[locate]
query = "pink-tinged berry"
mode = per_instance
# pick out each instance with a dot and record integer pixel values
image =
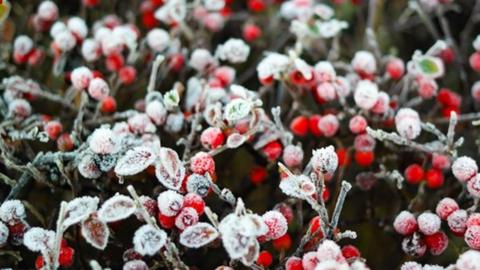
(310, 260)
(264, 259)
(350, 252)
(286, 211)
(108, 105)
(457, 222)
(194, 201)
(300, 126)
(90, 3)
(434, 178)
(258, 175)
(436, 243)
(473, 220)
(464, 168)
(256, 5)
(294, 263)
(187, 217)
(407, 122)
(326, 91)
(103, 141)
(473, 186)
(447, 54)
(472, 237)
(440, 162)
(48, 11)
(53, 129)
(212, 138)
(329, 250)
(414, 174)
(272, 150)
(382, 105)
(19, 108)
(366, 94)
(127, 75)
(364, 143)
(427, 87)
(364, 159)
(358, 124)
(98, 89)
(445, 207)
(395, 68)
(65, 142)
(225, 74)
(81, 77)
(202, 163)
(364, 63)
(150, 205)
(328, 125)
(476, 91)
(276, 223)
(474, 61)
(292, 155)
(414, 245)
(428, 223)
(251, 32)
(170, 203)
(405, 223)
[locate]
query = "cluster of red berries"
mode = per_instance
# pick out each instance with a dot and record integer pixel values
(414, 174)
(65, 258)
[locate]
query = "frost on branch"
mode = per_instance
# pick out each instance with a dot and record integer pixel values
(198, 235)
(148, 240)
(116, 208)
(135, 161)
(79, 209)
(170, 171)
(95, 231)
(39, 239)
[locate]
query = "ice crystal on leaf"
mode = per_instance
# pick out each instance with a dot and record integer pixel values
(170, 171)
(198, 235)
(116, 208)
(299, 186)
(148, 240)
(95, 232)
(79, 209)
(135, 161)
(237, 109)
(235, 140)
(39, 239)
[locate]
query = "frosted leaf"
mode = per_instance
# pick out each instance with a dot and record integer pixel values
(95, 232)
(135, 161)
(88, 168)
(12, 210)
(171, 99)
(149, 240)
(237, 109)
(235, 140)
(198, 235)
(171, 171)
(297, 186)
(252, 253)
(116, 208)
(106, 162)
(135, 265)
(324, 160)
(252, 225)
(39, 239)
(236, 244)
(4, 232)
(79, 209)
(198, 184)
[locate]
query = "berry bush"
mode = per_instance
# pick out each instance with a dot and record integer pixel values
(240, 134)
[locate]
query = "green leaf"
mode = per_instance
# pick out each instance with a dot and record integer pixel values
(428, 66)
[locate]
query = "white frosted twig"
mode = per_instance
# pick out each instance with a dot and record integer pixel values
(59, 234)
(346, 186)
(153, 76)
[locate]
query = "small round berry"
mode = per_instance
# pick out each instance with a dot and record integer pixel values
(414, 245)
(350, 252)
(329, 250)
(264, 259)
(19, 108)
(395, 68)
(272, 150)
(48, 11)
(328, 125)
(464, 168)
(473, 220)
(127, 75)
(457, 222)
(170, 203)
(383, 103)
(343, 157)
(472, 237)
(108, 105)
(194, 201)
(292, 156)
(81, 77)
(251, 32)
(445, 207)
(476, 91)
(364, 143)
(114, 62)
(427, 87)
(437, 243)
(313, 125)
(364, 159)
(315, 227)
(294, 263)
(103, 141)
(407, 122)
(405, 223)
(65, 142)
(53, 129)
(198, 184)
(202, 163)
(440, 162)
(358, 124)
(187, 217)
(428, 223)
(365, 180)
(310, 260)
(474, 61)
(135, 264)
(325, 92)
(324, 160)
(258, 174)
(366, 94)
(299, 126)
(364, 63)
(434, 178)
(212, 138)
(414, 174)
(158, 39)
(282, 243)
(473, 186)
(65, 258)
(276, 223)
(166, 222)
(98, 89)
(286, 211)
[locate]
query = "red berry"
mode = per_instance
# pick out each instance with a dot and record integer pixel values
(272, 150)
(448, 55)
(212, 138)
(350, 251)
(195, 201)
(108, 105)
(127, 75)
(364, 159)
(39, 262)
(282, 243)
(166, 221)
(414, 174)
(357, 124)
(264, 259)
(448, 98)
(343, 157)
(434, 178)
(473, 220)
(202, 163)
(251, 32)
(457, 222)
(299, 126)
(436, 243)
(176, 62)
(395, 68)
(294, 263)
(405, 223)
(65, 142)
(472, 237)
(475, 61)
(66, 256)
(313, 125)
(114, 62)
(258, 175)
(445, 207)
(53, 129)
(256, 5)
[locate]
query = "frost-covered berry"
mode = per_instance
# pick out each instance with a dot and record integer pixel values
(472, 237)
(127, 75)
(88, 168)
(383, 103)
(407, 122)
(11, 211)
(276, 223)
(414, 174)
(19, 108)
(140, 123)
(436, 243)
(81, 77)
(427, 87)
(103, 141)
(78, 27)
(90, 50)
(445, 207)
(324, 72)
(299, 126)
(202, 163)
(310, 260)
(476, 91)
(292, 155)
(364, 63)
(440, 162)
(470, 260)
(23, 45)
(364, 143)
(272, 150)
(464, 168)
(428, 223)
(98, 89)
(414, 245)
(198, 184)
(357, 124)
(47, 11)
(201, 60)
(158, 39)
(395, 68)
(170, 203)
(405, 223)
(187, 217)
(157, 112)
(284, 242)
(328, 125)
(53, 129)
(326, 92)
(293, 263)
(166, 222)
(325, 160)
(64, 41)
(233, 50)
(212, 138)
(174, 122)
(473, 186)
(194, 201)
(135, 265)
(329, 250)
(366, 94)
(149, 204)
(457, 221)
(4, 233)
(473, 220)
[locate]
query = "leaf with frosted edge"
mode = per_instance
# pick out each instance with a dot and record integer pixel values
(134, 161)
(235, 140)
(198, 235)
(236, 244)
(95, 232)
(39, 239)
(297, 186)
(148, 240)
(170, 171)
(430, 66)
(237, 109)
(252, 225)
(79, 209)
(252, 253)
(116, 208)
